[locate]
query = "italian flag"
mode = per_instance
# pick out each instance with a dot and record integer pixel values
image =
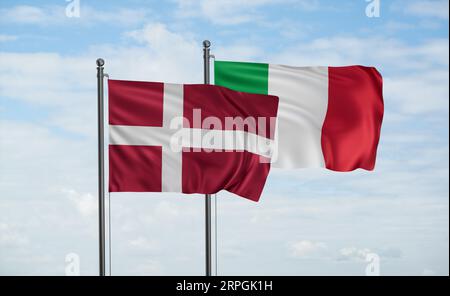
(327, 116)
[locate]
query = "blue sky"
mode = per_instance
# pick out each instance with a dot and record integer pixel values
(308, 221)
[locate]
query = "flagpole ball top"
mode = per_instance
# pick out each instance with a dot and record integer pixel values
(206, 43)
(100, 62)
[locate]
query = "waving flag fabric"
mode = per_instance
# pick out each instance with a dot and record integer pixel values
(176, 138)
(328, 116)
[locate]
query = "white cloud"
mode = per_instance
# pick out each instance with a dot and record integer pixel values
(419, 93)
(234, 12)
(164, 56)
(426, 8)
(240, 51)
(352, 253)
(86, 203)
(6, 38)
(143, 244)
(224, 12)
(123, 16)
(51, 15)
(50, 80)
(307, 5)
(32, 76)
(160, 39)
(306, 248)
(24, 14)
(10, 237)
(53, 162)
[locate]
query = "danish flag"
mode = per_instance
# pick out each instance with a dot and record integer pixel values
(189, 138)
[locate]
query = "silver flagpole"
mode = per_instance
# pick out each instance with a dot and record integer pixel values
(101, 166)
(208, 236)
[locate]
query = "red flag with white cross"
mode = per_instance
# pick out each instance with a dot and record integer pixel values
(189, 138)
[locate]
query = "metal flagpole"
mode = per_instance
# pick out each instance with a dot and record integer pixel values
(208, 244)
(101, 170)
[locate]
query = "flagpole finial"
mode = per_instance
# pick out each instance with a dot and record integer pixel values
(206, 43)
(100, 62)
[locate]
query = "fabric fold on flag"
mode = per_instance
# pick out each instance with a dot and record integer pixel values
(328, 116)
(189, 138)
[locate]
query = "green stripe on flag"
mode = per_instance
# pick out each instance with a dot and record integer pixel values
(245, 77)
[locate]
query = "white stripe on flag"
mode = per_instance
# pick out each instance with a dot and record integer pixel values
(227, 140)
(139, 135)
(171, 160)
(303, 94)
(219, 140)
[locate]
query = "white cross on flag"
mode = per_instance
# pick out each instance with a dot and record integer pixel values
(189, 138)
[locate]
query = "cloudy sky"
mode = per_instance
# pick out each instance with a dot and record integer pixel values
(308, 222)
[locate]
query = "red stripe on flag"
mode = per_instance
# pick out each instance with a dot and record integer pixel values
(221, 102)
(241, 173)
(135, 103)
(134, 168)
(351, 130)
